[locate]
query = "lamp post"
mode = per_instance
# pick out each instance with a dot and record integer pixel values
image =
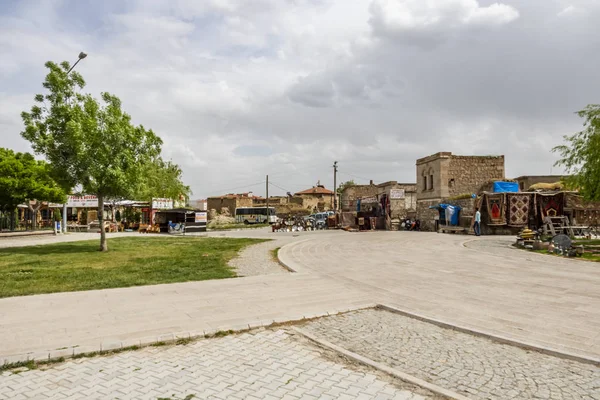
(80, 57)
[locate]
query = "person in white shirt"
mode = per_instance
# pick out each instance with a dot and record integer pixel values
(477, 223)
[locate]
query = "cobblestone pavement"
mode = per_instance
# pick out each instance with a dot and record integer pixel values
(262, 365)
(258, 260)
(470, 365)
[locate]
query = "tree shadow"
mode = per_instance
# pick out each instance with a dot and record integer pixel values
(58, 248)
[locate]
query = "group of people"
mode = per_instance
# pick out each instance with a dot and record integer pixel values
(411, 225)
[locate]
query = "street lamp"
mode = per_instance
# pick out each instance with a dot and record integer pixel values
(81, 56)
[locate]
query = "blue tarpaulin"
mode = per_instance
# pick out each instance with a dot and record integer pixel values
(506, 187)
(453, 212)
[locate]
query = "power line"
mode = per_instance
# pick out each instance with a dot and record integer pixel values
(353, 176)
(277, 186)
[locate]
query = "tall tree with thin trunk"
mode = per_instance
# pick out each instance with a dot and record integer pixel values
(90, 144)
(581, 155)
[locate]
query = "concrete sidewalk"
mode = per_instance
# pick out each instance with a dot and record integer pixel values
(47, 324)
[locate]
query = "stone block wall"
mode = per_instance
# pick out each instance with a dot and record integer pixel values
(352, 193)
(444, 175)
(426, 215)
(229, 202)
(466, 174)
(431, 173)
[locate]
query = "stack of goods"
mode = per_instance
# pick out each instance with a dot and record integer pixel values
(527, 234)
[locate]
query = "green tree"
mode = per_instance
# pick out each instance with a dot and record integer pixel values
(344, 185)
(90, 144)
(581, 155)
(23, 179)
(162, 179)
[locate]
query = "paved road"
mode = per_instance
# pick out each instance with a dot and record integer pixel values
(483, 285)
(473, 366)
(265, 365)
(486, 286)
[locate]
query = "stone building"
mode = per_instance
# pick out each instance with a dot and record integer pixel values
(525, 182)
(403, 198)
(447, 178)
(316, 198)
(200, 204)
(230, 201)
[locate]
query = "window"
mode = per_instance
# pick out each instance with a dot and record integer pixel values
(451, 182)
(424, 183)
(430, 182)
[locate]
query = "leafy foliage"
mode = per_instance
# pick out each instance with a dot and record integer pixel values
(581, 155)
(344, 185)
(92, 144)
(23, 178)
(131, 215)
(161, 179)
(57, 215)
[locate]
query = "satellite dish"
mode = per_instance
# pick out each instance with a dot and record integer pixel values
(562, 241)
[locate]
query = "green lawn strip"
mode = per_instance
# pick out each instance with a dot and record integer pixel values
(66, 267)
(585, 256)
(587, 242)
(230, 227)
(275, 254)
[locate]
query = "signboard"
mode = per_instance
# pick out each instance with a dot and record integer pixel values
(369, 200)
(90, 201)
(201, 217)
(162, 204)
(396, 193)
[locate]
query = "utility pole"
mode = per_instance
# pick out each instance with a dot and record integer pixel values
(335, 202)
(268, 211)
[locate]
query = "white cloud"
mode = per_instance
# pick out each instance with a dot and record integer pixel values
(241, 89)
(433, 19)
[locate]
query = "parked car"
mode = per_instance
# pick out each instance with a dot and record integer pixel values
(320, 219)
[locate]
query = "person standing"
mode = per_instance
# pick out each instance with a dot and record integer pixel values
(477, 223)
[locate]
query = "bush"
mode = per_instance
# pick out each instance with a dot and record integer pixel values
(57, 215)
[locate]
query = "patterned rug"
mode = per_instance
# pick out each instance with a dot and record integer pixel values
(495, 209)
(518, 209)
(551, 206)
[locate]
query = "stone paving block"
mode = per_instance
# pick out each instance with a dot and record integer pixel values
(469, 365)
(154, 372)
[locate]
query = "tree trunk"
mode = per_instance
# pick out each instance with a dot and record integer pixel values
(103, 244)
(34, 210)
(13, 219)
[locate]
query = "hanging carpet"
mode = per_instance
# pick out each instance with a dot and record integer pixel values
(495, 209)
(518, 209)
(551, 206)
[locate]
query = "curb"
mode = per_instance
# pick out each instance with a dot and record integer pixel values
(9, 235)
(499, 339)
(383, 368)
(284, 265)
(174, 338)
(285, 247)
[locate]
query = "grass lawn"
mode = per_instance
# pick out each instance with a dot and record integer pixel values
(229, 227)
(66, 267)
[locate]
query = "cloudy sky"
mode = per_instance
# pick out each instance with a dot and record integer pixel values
(240, 89)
